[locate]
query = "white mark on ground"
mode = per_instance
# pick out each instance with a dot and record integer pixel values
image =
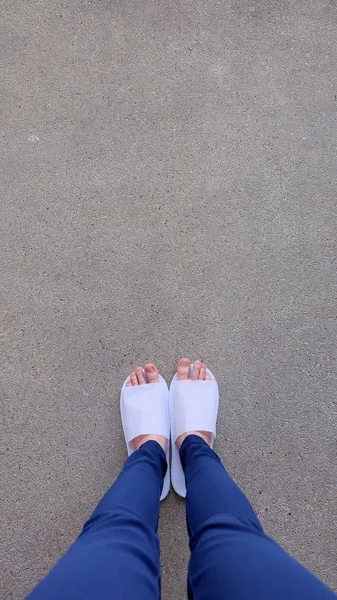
(33, 138)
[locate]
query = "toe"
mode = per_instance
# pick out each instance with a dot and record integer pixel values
(151, 373)
(183, 368)
(128, 383)
(207, 377)
(196, 369)
(202, 373)
(140, 376)
(133, 379)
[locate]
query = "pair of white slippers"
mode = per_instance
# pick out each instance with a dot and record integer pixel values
(189, 405)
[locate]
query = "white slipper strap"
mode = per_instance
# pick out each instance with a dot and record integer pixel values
(195, 406)
(145, 410)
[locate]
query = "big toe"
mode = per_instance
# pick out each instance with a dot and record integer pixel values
(183, 369)
(151, 373)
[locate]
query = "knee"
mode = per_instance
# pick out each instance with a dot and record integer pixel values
(224, 528)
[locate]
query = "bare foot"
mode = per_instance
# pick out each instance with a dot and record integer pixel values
(199, 373)
(137, 378)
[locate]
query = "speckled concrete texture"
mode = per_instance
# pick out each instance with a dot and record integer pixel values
(169, 189)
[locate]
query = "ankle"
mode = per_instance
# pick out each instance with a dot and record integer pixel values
(138, 441)
(205, 435)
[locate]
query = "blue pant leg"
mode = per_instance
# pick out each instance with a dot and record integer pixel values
(231, 557)
(116, 557)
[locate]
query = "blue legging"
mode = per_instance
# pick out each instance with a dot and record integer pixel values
(116, 557)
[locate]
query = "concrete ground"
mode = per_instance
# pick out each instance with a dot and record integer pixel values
(169, 189)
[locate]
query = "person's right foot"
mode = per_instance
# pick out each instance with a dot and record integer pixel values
(199, 373)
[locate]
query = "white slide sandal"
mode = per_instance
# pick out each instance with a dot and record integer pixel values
(193, 407)
(144, 410)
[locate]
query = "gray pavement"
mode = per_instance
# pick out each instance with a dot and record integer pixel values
(169, 189)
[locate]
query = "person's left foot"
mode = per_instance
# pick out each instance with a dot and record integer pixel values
(146, 377)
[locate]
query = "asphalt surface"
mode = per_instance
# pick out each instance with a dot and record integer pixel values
(169, 189)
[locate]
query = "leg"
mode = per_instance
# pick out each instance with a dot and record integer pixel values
(117, 554)
(232, 558)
